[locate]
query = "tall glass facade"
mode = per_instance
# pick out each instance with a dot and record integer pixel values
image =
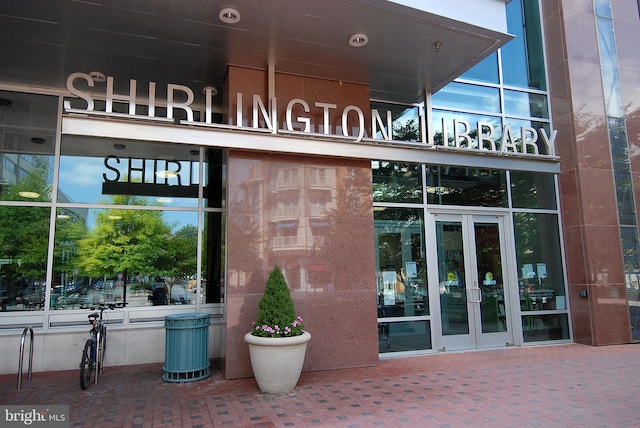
(507, 90)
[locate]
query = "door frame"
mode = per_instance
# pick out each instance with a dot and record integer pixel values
(467, 218)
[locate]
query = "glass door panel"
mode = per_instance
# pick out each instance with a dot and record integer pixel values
(489, 269)
(473, 310)
(451, 273)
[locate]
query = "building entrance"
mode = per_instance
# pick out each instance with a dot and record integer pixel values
(473, 282)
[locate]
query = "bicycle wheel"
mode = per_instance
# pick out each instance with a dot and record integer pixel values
(86, 364)
(102, 348)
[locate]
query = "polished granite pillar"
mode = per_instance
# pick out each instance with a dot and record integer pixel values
(312, 216)
(588, 198)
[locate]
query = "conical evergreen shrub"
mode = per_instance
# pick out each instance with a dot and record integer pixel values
(276, 314)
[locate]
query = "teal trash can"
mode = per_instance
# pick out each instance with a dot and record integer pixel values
(186, 355)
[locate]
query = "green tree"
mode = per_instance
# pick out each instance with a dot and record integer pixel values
(124, 240)
(177, 258)
(24, 232)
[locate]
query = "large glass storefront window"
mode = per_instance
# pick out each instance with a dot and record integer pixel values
(134, 236)
(27, 141)
(127, 216)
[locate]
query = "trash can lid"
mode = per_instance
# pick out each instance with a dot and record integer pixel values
(191, 316)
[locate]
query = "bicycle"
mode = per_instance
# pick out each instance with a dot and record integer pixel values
(95, 346)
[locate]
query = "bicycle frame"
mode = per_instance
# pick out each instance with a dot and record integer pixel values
(96, 334)
(97, 338)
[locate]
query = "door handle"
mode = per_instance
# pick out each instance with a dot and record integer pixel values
(479, 292)
(475, 294)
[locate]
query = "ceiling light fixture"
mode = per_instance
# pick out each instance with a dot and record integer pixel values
(119, 146)
(38, 140)
(229, 15)
(437, 46)
(29, 195)
(358, 40)
(166, 174)
(98, 76)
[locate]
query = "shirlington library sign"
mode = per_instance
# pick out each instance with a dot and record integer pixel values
(525, 140)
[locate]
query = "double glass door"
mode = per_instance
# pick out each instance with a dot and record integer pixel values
(472, 280)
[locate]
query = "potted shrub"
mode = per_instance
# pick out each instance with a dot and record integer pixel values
(277, 343)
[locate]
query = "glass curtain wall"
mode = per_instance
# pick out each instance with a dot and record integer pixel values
(507, 88)
(129, 218)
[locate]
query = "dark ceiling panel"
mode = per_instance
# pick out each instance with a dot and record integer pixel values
(184, 42)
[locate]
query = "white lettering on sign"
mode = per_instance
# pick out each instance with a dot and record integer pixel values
(265, 116)
(485, 139)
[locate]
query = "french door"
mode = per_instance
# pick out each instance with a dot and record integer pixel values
(473, 284)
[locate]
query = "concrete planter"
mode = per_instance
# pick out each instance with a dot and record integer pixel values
(277, 361)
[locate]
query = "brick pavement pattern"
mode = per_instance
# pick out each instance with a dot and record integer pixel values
(548, 386)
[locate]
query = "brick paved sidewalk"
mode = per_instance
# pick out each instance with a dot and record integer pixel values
(551, 386)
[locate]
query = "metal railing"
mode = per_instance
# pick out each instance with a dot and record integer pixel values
(22, 340)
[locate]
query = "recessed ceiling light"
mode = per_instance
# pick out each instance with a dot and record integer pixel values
(119, 146)
(38, 140)
(64, 216)
(166, 174)
(164, 200)
(115, 217)
(229, 15)
(358, 40)
(98, 76)
(29, 195)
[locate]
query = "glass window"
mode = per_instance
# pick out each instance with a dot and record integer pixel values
(144, 255)
(522, 59)
(465, 130)
(538, 328)
(405, 121)
(532, 134)
(525, 104)
(122, 255)
(533, 190)
(603, 8)
(215, 172)
(540, 273)
(464, 96)
(466, 186)
(400, 262)
(485, 71)
(134, 172)
(24, 237)
(404, 336)
(396, 182)
(27, 138)
(213, 258)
